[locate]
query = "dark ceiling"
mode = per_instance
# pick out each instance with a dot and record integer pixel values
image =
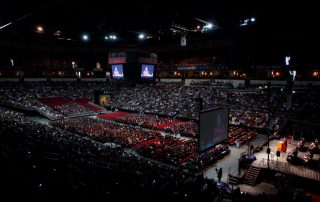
(126, 19)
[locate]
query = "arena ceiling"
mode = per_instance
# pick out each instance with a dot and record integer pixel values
(161, 22)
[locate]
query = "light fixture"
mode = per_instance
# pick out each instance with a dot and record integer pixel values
(40, 29)
(85, 37)
(141, 36)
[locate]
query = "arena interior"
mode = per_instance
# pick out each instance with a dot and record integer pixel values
(155, 101)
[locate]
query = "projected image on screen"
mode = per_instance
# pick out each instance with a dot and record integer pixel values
(147, 71)
(117, 71)
(213, 127)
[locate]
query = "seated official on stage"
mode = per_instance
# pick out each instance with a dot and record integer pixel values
(293, 156)
(300, 145)
(314, 147)
(307, 158)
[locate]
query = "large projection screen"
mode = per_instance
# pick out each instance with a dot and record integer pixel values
(117, 71)
(213, 127)
(147, 71)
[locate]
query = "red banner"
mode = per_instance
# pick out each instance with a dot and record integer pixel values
(119, 60)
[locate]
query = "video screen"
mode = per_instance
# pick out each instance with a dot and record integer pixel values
(147, 71)
(213, 127)
(117, 71)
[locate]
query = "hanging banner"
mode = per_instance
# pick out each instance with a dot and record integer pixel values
(183, 40)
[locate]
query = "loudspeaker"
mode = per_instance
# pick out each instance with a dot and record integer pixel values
(278, 153)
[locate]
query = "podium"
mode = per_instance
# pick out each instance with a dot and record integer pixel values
(280, 146)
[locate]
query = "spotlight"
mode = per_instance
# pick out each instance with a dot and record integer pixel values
(141, 36)
(209, 26)
(40, 29)
(85, 37)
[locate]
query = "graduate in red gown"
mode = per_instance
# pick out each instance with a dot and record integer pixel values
(284, 147)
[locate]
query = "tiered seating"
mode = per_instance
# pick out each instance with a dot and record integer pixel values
(64, 106)
(204, 159)
(247, 108)
(146, 120)
(187, 129)
(54, 101)
(169, 150)
(86, 103)
(104, 131)
(26, 95)
(79, 160)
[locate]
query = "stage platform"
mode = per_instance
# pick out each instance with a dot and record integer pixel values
(229, 165)
(281, 164)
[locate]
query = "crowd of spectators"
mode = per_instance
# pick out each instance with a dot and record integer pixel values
(179, 127)
(211, 83)
(170, 150)
(206, 158)
(167, 149)
(144, 120)
(26, 95)
(185, 128)
(105, 131)
(248, 107)
(127, 172)
(240, 135)
(71, 109)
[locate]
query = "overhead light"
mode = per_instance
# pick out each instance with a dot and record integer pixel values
(209, 26)
(141, 36)
(85, 37)
(3, 26)
(113, 37)
(248, 21)
(40, 29)
(315, 73)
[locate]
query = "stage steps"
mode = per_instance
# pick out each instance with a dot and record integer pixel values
(252, 175)
(235, 180)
